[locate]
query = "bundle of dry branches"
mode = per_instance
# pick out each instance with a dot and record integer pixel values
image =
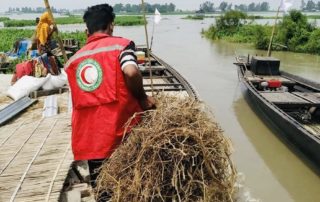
(177, 153)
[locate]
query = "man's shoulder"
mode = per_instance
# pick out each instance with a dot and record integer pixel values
(119, 38)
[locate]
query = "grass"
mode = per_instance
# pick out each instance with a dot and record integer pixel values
(2, 19)
(193, 17)
(9, 36)
(120, 21)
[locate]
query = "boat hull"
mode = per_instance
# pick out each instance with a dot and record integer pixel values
(291, 131)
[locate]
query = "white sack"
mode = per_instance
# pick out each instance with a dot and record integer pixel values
(25, 86)
(55, 82)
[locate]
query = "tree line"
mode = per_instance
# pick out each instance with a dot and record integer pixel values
(225, 6)
(118, 8)
(293, 33)
(35, 10)
(310, 5)
(150, 8)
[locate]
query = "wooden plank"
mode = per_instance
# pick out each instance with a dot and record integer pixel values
(283, 98)
(311, 97)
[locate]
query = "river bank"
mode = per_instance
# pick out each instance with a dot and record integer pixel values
(293, 33)
(119, 20)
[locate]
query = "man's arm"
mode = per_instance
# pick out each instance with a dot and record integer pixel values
(134, 83)
(133, 77)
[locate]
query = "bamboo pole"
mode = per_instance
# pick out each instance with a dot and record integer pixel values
(147, 41)
(273, 31)
(46, 2)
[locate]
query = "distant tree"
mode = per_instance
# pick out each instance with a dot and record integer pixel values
(229, 7)
(136, 8)
(127, 8)
(230, 21)
(161, 8)
(318, 5)
(207, 6)
(294, 30)
(172, 7)
(303, 5)
(257, 7)
(264, 6)
(310, 5)
(241, 7)
(118, 7)
(223, 6)
(252, 7)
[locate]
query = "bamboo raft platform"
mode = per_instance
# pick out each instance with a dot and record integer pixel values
(35, 157)
(35, 154)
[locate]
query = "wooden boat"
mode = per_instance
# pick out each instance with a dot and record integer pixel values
(37, 162)
(164, 78)
(290, 102)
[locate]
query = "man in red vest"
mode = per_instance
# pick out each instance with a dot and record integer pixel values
(106, 87)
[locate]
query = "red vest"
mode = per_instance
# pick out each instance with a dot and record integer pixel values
(102, 103)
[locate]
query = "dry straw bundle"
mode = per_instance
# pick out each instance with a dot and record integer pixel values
(177, 153)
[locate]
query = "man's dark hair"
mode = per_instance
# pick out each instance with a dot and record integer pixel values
(97, 18)
(37, 20)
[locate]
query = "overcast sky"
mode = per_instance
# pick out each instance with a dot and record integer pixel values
(72, 4)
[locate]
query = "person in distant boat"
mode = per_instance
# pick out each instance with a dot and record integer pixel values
(107, 90)
(45, 30)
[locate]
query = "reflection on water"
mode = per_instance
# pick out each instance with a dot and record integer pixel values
(288, 169)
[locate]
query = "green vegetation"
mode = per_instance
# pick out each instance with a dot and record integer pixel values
(310, 6)
(129, 20)
(150, 8)
(120, 21)
(9, 36)
(208, 7)
(194, 17)
(2, 19)
(294, 32)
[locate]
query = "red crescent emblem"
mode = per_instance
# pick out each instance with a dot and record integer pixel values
(83, 77)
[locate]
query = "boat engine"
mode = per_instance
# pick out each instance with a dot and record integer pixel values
(274, 84)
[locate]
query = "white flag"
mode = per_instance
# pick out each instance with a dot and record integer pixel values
(157, 16)
(285, 5)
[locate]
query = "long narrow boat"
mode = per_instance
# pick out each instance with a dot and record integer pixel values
(164, 78)
(36, 159)
(290, 102)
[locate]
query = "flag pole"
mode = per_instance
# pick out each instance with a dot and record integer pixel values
(273, 31)
(152, 35)
(46, 2)
(147, 41)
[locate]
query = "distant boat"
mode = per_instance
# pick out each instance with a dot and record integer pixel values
(291, 103)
